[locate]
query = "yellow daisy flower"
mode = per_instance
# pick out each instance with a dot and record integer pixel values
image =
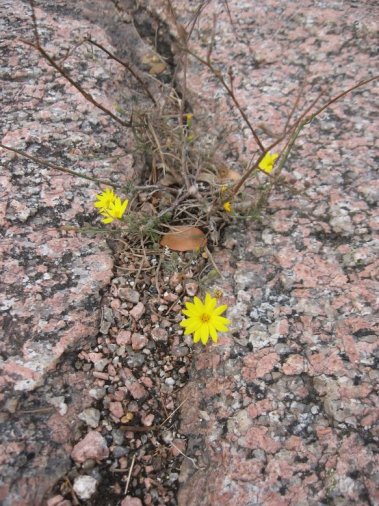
(105, 198)
(114, 211)
(227, 207)
(204, 319)
(267, 162)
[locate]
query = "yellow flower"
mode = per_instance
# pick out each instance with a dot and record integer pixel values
(114, 211)
(227, 207)
(204, 319)
(189, 117)
(267, 162)
(110, 206)
(105, 198)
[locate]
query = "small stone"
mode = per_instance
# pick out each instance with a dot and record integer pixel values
(97, 393)
(138, 341)
(124, 337)
(85, 486)
(54, 501)
(11, 405)
(118, 436)
(59, 403)
(148, 420)
(116, 409)
(129, 295)
(135, 359)
(137, 311)
(137, 391)
(119, 451)
(159, 334)
(179, 288)
(88, 465)
(131, 501)
(179, 351)
(93, 446)
(100, 364)
(191, 288)
(175, 279)
(170, 297)
(168, 437)
(104, 327)
(111, 370)
(91, 416)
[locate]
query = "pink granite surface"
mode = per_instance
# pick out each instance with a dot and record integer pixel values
(284, 410)
(51, 279)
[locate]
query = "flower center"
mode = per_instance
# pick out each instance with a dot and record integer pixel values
(205, 317)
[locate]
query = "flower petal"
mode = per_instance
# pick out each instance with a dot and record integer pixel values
(198, 304)
(196, 336)
(209, 303)
(219, 310)
(109, 219)
(220, 323)
(193, 326)
(204, 333)
(213, 333)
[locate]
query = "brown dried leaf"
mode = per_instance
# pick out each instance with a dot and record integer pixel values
(150, 59)
(228, 175)
(184, 238)
(157, 68)
(170, 179)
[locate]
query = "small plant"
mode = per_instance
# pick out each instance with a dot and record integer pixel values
(189, 194)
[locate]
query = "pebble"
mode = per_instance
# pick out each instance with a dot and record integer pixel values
(54, 501)
(168, 437)
(118, 436)
(138, 341)
(191, 288)
(148, 420)
(135, 360)
(159, 334)
(129, 295)
(116, 409)
(137, 311)
(124, 337)
(119, 451)
(137, 391)
(179, 351)
(97, 393)
(101, 375)
(101, 364)
(88, 464)
(59, 403)
(93, 446)
(85, 486)
(131, 501)
(104, 327)
(91, 417)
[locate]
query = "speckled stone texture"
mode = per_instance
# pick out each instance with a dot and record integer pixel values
(284, 409)
(51, 278)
